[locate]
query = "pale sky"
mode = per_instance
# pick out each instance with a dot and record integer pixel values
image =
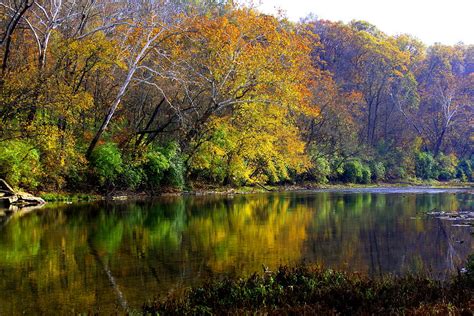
(444, 21)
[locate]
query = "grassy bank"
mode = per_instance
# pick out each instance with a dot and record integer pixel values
(69, 197)
(204, 189)
(315, 291)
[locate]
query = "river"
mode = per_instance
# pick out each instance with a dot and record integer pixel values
(113, 256)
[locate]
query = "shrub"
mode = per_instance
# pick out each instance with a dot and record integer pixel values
(306, 290)
(400, 172)
(464, 170)
(378, 171)
(20, 164)
(165, 166)
(321, 170)
(366, 175)
(62, 159)
(132, 176)
(106, 162)
(155, 166)
(446, 166)
(352, 171)
(175, 173)
(425, 166)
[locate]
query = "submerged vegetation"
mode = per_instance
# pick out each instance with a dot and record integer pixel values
(312, 290)
(143, 95)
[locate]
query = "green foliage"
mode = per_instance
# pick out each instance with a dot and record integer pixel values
(352, 171)
(176, 171)
(174, 175)
(464, 170)
(356, 172)
(164, 166)
(446, 166)
(425, 166)
(366, 175)
(305, 290)
(132, 176)
(268, 98)
(155, 166)
(321, 170)
(106, 161)
(400, 173)
(398, 162)
(378, 171)
(20, 164)
(64, 197)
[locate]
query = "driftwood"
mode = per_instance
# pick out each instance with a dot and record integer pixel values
(5, 187)
(9, 197)
(263, 187)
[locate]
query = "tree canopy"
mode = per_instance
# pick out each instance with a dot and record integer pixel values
(149, 94)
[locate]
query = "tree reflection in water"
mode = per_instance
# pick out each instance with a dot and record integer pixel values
(104, 257)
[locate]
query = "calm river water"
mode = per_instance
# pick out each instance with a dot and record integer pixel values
(104, 257)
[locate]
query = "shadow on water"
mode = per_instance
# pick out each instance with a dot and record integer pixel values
(107, 257)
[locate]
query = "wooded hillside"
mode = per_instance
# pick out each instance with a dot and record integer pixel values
(143, 94)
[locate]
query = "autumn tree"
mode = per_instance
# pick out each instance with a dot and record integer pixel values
(252, 74)
(365, 60)
(446, 86)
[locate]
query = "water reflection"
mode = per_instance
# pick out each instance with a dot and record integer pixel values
(106, 257)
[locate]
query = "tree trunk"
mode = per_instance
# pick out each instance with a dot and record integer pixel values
(150, 121)
(439, 142)
(111, 111)
(9, 32)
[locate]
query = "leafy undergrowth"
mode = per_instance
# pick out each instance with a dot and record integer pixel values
(307, 290)
(68, 197)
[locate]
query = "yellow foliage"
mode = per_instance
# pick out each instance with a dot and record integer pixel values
(261, 75)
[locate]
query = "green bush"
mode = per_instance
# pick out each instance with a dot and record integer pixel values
(352, 171)
(446, 166)
(132, 176)
(399, 172)
(165, 166)
(321, 170)
(174, 176)
(425, 166)
(378, 171)
(106, 161)
(337, 170)
(313, 291)
(155, 166)
(366, 175)
(20, 164)
(464, 170)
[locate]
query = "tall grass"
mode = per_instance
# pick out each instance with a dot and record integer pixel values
(304, 289)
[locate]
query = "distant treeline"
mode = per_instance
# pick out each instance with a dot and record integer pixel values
(142, 94)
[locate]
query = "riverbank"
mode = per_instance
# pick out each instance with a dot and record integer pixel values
(303, 289)
(209, 189)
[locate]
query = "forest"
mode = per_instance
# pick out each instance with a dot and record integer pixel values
(151, 94)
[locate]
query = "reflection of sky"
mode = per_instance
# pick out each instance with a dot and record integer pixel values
(64, 258)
